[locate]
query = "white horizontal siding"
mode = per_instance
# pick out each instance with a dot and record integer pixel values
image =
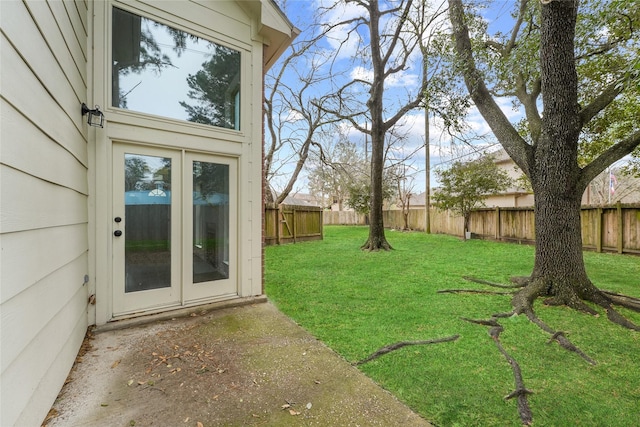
(33, 99)
(32, 382)
(43, 202)
(22, 316)
(223, 20)
(31, 203)
(72, 28)
(30, 256)
(27, 140)
(51, 18)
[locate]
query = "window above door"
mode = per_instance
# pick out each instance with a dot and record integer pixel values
(161, 70)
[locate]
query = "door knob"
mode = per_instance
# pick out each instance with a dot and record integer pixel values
(117, 233)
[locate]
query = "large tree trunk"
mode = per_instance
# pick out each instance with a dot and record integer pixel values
(559, 270)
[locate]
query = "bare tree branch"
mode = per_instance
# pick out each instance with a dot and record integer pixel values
(508, 136)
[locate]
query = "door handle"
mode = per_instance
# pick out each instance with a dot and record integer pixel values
(117, 233)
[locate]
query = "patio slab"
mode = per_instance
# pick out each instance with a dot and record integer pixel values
(238, 366)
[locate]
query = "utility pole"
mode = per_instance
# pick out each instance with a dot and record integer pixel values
(427, 193)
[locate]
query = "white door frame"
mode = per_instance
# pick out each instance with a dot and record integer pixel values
(182, 291)
(125, 303)
(222, 288)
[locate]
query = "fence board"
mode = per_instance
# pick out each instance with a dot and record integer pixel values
(612, 228)
(292, 223)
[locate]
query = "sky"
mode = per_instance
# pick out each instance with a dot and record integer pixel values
(442, 151)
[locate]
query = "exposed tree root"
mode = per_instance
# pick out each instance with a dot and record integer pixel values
(472, 291)
(572, 295)
(616, 317)
(493, 284)
(520, 280)
(576, 298)
(398, 345)
(626, 301)
(521, 392)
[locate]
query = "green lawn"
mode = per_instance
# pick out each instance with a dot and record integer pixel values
(357, 302)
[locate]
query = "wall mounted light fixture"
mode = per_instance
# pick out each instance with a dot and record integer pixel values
(95, 117)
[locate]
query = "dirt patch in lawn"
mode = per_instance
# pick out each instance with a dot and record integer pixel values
(241, 366)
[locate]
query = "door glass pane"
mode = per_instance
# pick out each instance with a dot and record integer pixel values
(147, 222)
(210, 221)
(165, 71)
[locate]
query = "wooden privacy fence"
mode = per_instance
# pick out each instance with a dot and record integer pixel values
(613, 228)
(291, 223)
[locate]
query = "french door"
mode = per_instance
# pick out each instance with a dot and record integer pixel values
(174, 228)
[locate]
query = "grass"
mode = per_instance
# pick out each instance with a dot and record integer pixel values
(357, 302)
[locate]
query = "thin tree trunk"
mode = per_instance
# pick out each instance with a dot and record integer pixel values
(377, 239)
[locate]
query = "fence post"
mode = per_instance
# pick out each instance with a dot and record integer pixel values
(599, 230)
(497, 223)
(620, 227)
(279, 224)
(293, 224)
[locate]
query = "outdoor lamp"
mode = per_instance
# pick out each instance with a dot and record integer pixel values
(95, 116)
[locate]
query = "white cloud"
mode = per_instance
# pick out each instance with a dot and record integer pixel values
(292, 116)
(340, 38)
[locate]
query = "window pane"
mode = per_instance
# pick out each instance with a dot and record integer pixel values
(147, 222)
(210, 221)
(167, 72)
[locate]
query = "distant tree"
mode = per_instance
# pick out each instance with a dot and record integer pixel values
(136, 169)
(359, 193)
(404, 188)
(333, 169)
(466, 185)
(294, 120)
(386, 39)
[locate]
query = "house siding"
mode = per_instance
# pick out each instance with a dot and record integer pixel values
(44, 199)
(55, 175)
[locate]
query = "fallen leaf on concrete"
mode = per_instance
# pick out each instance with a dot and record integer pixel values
(116, 363)
(199, 424)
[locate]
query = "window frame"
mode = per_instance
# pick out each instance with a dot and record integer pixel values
(242, 106)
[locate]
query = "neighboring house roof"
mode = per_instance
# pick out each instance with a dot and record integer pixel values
(418, 199)
(301, 200)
